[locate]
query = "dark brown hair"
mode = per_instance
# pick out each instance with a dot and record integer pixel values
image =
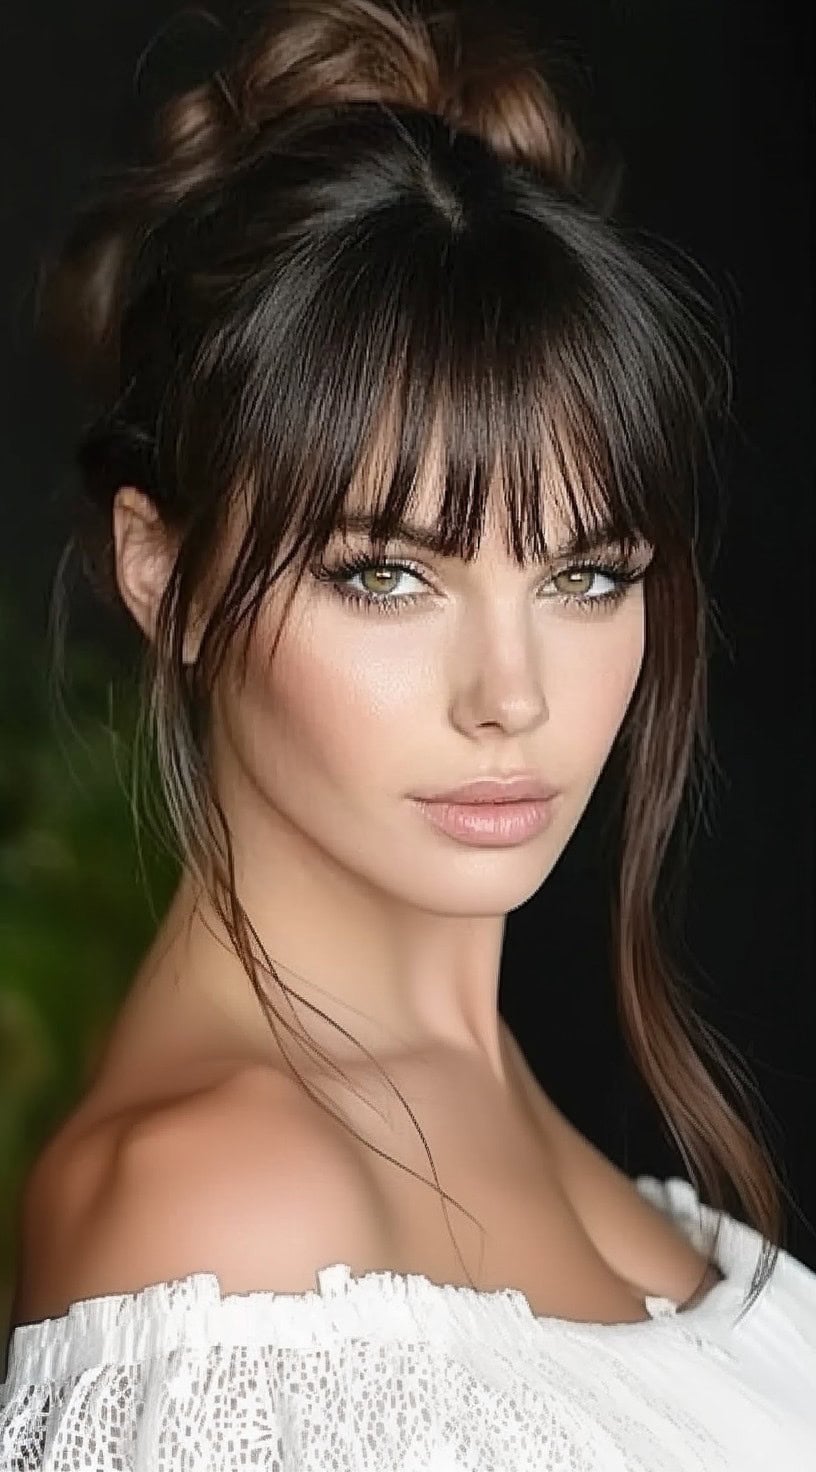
(373, 225)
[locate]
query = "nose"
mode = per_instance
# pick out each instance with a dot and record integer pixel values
(498, 678)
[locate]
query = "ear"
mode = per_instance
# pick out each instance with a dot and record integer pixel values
(145, 552)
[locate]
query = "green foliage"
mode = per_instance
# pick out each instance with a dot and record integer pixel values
(78, 904)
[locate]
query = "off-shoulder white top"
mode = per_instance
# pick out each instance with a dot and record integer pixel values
(394, 1373)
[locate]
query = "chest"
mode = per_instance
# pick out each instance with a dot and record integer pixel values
(522, 1207)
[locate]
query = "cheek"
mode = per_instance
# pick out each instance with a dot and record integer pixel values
(336, 704)
(594, 676)
(347, 710)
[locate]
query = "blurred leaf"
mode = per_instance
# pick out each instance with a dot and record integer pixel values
(75, 916)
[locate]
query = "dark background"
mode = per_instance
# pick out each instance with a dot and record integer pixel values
(710, 101)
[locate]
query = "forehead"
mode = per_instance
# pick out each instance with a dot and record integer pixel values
(420, 523)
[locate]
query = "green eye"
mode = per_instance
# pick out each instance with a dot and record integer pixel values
(619, 571)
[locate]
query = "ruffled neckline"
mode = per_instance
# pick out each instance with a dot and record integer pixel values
(381, 1306)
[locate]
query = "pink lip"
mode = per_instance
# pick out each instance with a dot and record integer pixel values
(492, 824)
(489, 790)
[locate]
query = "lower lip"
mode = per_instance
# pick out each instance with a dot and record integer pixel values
(490, 824)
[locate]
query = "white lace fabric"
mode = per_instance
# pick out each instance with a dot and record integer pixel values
(394, 1373)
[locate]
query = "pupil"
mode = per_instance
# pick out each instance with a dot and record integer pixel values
(379, 574)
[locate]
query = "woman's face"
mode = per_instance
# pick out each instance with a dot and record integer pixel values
(482, 671)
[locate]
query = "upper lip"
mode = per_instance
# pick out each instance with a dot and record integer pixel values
(514, 788)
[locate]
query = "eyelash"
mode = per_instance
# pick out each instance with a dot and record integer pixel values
(618, 569)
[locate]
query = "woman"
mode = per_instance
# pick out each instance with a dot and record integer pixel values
(394, 474)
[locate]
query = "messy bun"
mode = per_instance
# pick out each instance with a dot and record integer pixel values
(314, 54)
(367, 227)
(324, 54)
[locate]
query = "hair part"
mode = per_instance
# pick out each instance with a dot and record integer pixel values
(370, 255)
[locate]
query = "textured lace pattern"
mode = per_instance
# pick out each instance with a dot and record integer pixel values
(394, 1373)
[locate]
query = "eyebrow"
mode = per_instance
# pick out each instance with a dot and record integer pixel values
(429, 539)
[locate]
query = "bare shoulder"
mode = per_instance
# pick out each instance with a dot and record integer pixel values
(248, 1180)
